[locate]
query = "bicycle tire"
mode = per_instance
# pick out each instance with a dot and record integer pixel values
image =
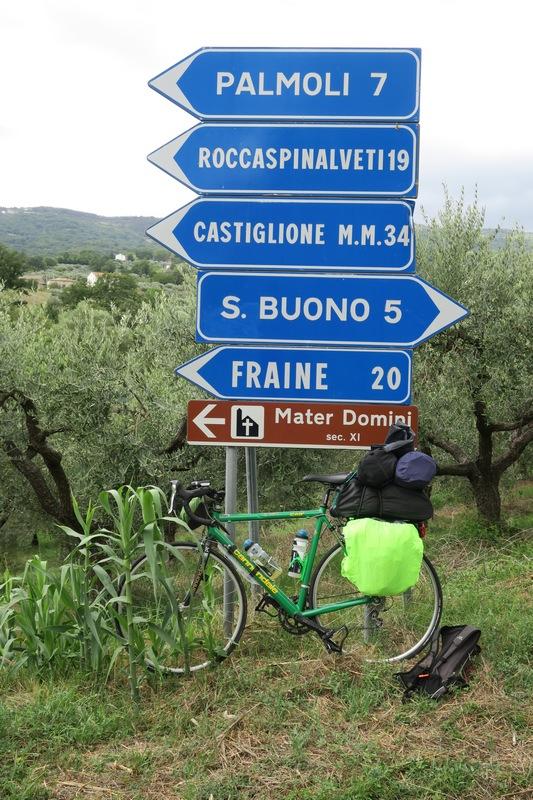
(352, 617)
(182, 571)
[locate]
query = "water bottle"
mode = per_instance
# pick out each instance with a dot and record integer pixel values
(262, 559)
(299, 549)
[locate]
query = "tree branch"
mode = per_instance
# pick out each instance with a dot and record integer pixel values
(191, 463)
(461, 470)
(179, 440)
(484, 433)
(35, 478)
(449, 447)
(59, 507)
(514, 425)
(519, 442)
(480, 412)
(54, 431)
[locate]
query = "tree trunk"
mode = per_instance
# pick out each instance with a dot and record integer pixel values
(486, 490)
(54, 496)
(485, 472)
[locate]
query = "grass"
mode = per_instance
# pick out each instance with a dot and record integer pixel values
(283, 719)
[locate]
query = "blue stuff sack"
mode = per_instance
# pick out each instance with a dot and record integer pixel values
(415, 470)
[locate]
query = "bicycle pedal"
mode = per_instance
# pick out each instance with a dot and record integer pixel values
(263, 604)
(333, 646)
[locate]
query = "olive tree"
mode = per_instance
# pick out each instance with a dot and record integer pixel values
(474, 382)
(12, 265)
(89, 401)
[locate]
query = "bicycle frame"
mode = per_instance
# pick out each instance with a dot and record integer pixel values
(260, 577)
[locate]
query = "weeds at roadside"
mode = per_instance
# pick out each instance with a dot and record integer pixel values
(54, 621)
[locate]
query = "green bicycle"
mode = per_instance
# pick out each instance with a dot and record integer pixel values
(207, 579)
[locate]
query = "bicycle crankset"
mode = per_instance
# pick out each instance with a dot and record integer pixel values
(291, 625)
(288, 623)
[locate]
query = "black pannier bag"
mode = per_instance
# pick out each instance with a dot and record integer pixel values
(391, 502)
(370, 491)
(400, 439)
(377, 468)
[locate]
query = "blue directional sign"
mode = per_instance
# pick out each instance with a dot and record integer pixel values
(277, 373)
(375, 310)
(324, 84)
(350, 160)
(325, 235)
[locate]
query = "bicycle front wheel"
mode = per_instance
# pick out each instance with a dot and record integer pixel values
(389, 629)
(211, 604)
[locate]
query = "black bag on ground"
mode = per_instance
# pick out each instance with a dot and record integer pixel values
(354, 500)
(377, 468)
(442, 667)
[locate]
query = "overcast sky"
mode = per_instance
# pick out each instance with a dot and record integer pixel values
(77, 118)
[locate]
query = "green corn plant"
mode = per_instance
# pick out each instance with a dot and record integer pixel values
(67, 616)
(136, 515)
(45, 623)
(87, 600)
(172, 631)
(46, 631)
(120, 505)
(7, 620)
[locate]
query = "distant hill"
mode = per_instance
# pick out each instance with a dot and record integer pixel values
(501, 235)
(50, 231)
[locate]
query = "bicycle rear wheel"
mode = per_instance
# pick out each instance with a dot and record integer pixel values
(213, 614)
(390, 629)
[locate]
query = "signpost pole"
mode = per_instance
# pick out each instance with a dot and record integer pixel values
(252, 492)
(230, 507)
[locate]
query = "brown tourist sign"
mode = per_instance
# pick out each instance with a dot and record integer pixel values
(273, 424)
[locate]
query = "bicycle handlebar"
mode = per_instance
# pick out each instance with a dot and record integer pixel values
(186, 495)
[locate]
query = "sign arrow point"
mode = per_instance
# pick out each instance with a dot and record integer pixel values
(167, 83)
(450, 312)
(203, 420)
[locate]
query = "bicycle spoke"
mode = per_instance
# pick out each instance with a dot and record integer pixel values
(185, 630)
(394, 627)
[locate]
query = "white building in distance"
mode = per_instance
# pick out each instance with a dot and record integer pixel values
(92, 278)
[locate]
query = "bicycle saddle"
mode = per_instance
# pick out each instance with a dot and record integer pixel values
(331, 480)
